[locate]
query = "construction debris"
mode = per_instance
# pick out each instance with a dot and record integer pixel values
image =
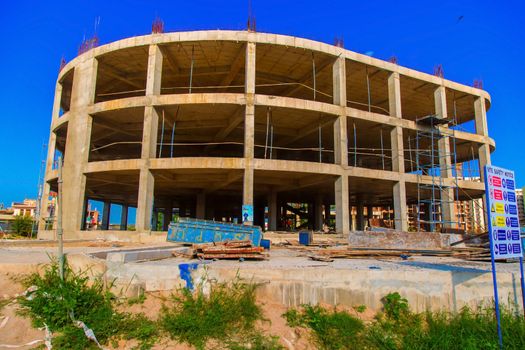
(235, 249)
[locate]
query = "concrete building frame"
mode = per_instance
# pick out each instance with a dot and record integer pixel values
(331, 108)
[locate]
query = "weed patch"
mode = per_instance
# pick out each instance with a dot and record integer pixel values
(331, 330)
(56, 303)
(400, 329)
(227, 316)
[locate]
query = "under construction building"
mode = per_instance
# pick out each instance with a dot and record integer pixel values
(205, 123)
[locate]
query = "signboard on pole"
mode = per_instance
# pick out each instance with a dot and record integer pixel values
(502, 208)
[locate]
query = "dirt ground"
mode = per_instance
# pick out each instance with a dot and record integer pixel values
(17, 330)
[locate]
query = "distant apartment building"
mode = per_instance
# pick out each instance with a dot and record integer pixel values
(7, 215)
(26, 208)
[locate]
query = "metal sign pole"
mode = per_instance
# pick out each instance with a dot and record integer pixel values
(494, 279)
(495, 284)
(522, 286)
(59, 222)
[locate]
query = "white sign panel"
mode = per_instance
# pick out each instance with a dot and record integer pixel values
(502, 207)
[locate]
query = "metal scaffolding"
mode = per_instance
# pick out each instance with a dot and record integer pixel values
(434, 164)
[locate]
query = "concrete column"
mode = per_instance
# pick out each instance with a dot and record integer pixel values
(166, 219)
(105, 215)
(400, 206)
(327, 213)
(342, 209)
(318, 222)
(398, 158)
(445, 163)
(340, 125)
(145, 200)
(360, 217)
(77, 145)
(272, 211)
(149, 142)
(155, 220)
(249, 127)
(480, 113)
(124, 217)
(201, 206)
(369, 214)
(51, 146)
(342, 220)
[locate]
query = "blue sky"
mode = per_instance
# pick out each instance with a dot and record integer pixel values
(471, 39)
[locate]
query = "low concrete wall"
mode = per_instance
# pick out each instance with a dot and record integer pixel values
(401, 240)
(110, 235)
(440, 288)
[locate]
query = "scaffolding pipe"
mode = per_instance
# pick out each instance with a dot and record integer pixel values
(191, 66)
(161, 135)
(320, 143)
(271, 140)
(172, 137)
(313, 75)
(355, 146)
(173, 130)
(368, 90)
(382, 150)
(267, 130)
(410, 154)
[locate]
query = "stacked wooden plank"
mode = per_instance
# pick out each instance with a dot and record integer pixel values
(229, 250)
(330, 253)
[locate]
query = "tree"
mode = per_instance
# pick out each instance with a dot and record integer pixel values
(23, 225)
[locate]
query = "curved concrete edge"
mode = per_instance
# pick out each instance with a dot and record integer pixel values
(273, 39)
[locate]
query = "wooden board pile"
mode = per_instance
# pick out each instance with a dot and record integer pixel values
(324, 253)
(229, 250)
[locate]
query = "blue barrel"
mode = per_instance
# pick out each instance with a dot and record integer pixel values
(305, 237)
(266, 244)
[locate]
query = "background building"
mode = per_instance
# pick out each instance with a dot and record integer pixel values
(205, 123)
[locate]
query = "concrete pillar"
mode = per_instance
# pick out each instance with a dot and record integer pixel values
(342, 220)
(124, 217)
(166, 219)
(360, 217)
(400, 206)
(51, 146)
(149, 142)
(340, 125)
(77, 145)
(398, 158)
(480, 113)
(369, 214)
(272, 211)
(201, 206)
(155, 220)
(327, 213)
(249, 127)
(105, 215)
(318, 221)
(342, 209)
(445, 163)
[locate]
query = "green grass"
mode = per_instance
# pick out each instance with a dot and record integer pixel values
(330, 330)
(227, 317)
(57, 302)
(400, 329)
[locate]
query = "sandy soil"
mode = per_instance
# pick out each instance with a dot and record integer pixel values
(17, 330)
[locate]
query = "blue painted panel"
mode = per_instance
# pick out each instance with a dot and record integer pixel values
(203, 231)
